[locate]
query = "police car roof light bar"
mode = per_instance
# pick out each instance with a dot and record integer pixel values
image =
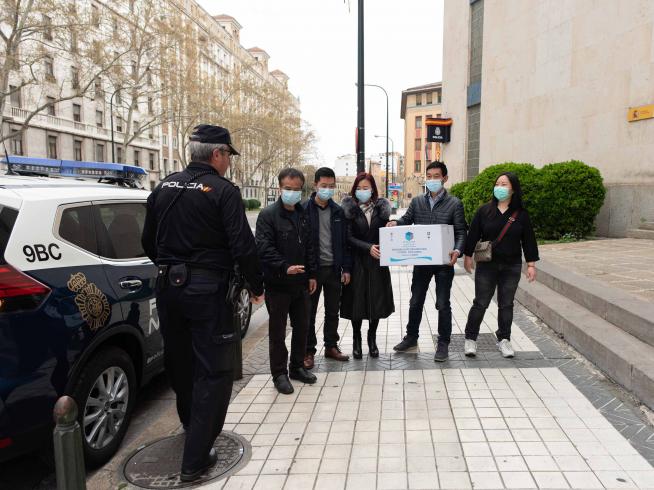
(47, 167)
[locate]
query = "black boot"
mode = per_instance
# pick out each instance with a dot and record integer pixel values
(372, 341)
(356, 342)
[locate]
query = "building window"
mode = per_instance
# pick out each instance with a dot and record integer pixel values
(135, 127)
(77, 113)
(119, 154)
(74, 77)
(99, 119)
(137, 157)
(150, 105)
(52, 147)
(99, 152)
(17, 143)
(119, 98)
(97, 88)
(47, 28)
(476, 40)
(164, 139)
(151, 161)
(418, 122)
(77, 150)
(430, 96)
(438, 97)
(50, 108)
(15, 95)
(119, 124)
(48, 64)
(418, 99)
(416, 166)
(175, 166)
(74, 45)
(418, 142)
(175, 146)
(151, 133)
(472, 156)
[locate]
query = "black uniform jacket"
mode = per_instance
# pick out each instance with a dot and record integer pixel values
(205, 228)
(284, 239)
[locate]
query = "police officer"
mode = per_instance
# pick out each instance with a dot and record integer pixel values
(195, 232)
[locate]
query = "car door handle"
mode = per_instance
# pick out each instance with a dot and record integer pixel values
(131, 284)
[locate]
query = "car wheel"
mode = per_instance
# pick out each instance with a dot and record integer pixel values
(105, 394)
(243, 311)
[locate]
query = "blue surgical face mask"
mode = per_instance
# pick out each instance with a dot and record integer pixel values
(325, 193)
(501, 193)
(291, 198)
(363, 195)
(434, 185)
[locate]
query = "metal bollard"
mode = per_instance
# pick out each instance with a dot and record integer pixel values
(69, 455)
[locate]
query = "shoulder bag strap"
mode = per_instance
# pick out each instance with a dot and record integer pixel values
(507, 226)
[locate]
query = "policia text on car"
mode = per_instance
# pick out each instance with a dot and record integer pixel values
(196, 231)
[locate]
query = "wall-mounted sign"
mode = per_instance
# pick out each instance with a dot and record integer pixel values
(640, 113)
(438, 130)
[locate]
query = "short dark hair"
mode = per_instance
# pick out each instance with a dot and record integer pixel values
(437, 164)
(324, 172)
(291, 173)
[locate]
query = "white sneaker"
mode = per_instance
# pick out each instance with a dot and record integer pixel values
(505, 348)
(470, 348)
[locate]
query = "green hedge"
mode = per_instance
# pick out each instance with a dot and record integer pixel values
(254, 204)
(480, 190)
(458, 189)
(562, 199)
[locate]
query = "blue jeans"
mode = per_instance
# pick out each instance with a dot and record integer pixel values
(491, 275)
(422, 275)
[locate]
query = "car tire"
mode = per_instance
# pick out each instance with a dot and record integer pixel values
(116, 369)
(243, 312)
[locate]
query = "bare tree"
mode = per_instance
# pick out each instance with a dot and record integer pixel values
(47, 56)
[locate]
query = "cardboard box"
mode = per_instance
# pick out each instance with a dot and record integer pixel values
(416, 244)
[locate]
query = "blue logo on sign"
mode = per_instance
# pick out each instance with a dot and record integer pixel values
(408, 236)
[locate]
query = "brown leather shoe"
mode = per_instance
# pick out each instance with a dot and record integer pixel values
(335, 353)
(308, 361)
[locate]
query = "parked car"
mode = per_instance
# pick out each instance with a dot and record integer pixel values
(78, 314)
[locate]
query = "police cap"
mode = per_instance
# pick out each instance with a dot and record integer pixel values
(207, 133)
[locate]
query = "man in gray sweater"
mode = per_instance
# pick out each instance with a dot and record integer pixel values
(436, 207)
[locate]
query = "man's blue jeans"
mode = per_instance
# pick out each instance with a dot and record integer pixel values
(422, 275)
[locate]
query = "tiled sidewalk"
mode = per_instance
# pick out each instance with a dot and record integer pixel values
(539, 421)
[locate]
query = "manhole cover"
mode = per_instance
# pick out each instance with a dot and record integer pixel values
(158, 464)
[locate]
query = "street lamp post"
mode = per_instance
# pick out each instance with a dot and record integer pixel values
(361, 133)
(393, 153)
(111, 116)
(386, 94)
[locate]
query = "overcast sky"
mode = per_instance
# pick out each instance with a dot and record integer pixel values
(315, 43)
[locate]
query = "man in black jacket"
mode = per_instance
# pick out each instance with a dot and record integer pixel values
(195, 231)
(436, 207)
(329, 233)
(289, 268)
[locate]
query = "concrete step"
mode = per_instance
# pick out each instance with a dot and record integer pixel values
(647, 225)
(624, 310)
(640, 233)
(622, 357)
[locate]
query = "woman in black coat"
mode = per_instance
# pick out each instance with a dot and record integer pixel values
(369, 296)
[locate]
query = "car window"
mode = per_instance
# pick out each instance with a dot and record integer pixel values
(7, 219)
(76, 227)
(119, 230)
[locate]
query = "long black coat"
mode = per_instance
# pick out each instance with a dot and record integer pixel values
(370, 293)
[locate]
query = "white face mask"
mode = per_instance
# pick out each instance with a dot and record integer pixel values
(434, 185)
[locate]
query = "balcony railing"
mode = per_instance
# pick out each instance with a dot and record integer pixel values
(78, 127)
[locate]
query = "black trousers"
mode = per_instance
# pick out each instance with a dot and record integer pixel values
(422, 275)
(198, 333)
(329, 281)
(488, 276)
(292, 302)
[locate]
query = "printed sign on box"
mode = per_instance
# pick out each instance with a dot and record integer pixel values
(416, 244)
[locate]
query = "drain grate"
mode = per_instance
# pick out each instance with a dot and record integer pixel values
(157, 465)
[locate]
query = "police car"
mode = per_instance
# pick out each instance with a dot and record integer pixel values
(77, 308)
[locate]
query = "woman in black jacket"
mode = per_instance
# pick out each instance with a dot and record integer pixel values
(369, 296)
(503, 215)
